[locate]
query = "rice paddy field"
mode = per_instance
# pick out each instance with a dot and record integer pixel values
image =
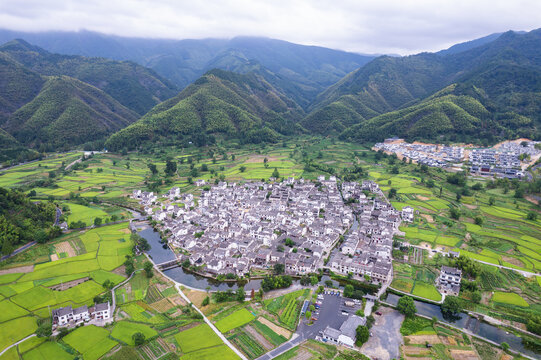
(415, 280)
(100, 185)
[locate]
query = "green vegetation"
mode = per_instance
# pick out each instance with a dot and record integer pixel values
(415, 325)
(124, 331)
(22, 220)
(219, 102)
(91, 341)
(197, 338)
(509, 298)
(287, 307)
(48, 350)
(236, 319)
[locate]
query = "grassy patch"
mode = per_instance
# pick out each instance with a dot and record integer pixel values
(221, 352)
(196, 338)
(236, 319)
(509, 298)
(91, 341)
(47, 351)
(124, 331)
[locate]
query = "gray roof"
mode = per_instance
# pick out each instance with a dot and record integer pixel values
(102, 307)
(62, 311)
(80, 310)
(331, 332)
(349, 327)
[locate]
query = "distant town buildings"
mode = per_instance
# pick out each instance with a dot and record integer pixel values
(503, 160)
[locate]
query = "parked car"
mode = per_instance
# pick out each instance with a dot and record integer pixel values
(314, 318)
(378, 313)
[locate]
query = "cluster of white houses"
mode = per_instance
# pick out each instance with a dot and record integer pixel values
(367, 248)
(67, 315)
(234, 227)
(503, 160)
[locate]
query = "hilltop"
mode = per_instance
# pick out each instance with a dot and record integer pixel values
(220, 102)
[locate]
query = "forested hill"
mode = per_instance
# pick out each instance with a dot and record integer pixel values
(504, 75)
(223, 103)
(22, 220)
(310, 68)
(66, 113)
(132, 85)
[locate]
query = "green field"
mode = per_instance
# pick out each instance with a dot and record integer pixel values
(85, 214)
(47, 351)
(14, 330)
(509, 298)
(236, 319)
(427, 291)
(124, 331)
(196, 338)
(222, 352)
(91, 341)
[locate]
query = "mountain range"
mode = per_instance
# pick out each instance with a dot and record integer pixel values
(123, 92)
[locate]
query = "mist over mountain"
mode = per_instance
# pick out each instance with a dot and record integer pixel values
(258, 89)
(309, 69)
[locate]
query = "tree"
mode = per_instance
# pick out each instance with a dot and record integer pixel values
(41, 236)
(348, 291)
(478, 220)
(451, 306)
(455, 213)
(279, 269)
(240, 294)
(308, 314)
(170, 167)
(108, 284)
(406, 306)
(153, 169)
(138, 338)
(532, 215)
(395, 170)
(129, 265)
(491, 200)
(392, 193)
(362, 334)
(275, 173)
(505, 346)
(148, 269)
(97, 221)
(242, 168)
(206, 301)
(476, 297)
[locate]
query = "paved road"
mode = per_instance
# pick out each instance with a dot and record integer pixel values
(21, 249)
(330, 314)
(384, 344)
(177, 286)
(15, 344)
(522, 272)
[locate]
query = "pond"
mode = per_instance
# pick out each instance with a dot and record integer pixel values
(465, 321)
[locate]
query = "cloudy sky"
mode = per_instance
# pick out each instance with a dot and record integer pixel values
(366, 26)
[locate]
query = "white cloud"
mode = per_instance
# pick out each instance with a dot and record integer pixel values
(369, 26)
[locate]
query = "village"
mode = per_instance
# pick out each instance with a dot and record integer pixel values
(508, 159)
(234, 228)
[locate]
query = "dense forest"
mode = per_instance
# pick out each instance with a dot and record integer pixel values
(22, 220)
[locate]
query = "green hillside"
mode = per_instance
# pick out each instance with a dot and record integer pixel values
(220, 102)
(132, 85)
(65, 113)
(504, 76)
(18, 85)
(448, 115)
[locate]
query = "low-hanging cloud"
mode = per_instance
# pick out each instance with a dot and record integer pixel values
(383, 26)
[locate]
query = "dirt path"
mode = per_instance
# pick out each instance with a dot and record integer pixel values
(20, 269)
(277, 329)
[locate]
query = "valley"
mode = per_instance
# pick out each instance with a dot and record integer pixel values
(101, 186)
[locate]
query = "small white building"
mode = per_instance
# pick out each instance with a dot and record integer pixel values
(101, 311)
